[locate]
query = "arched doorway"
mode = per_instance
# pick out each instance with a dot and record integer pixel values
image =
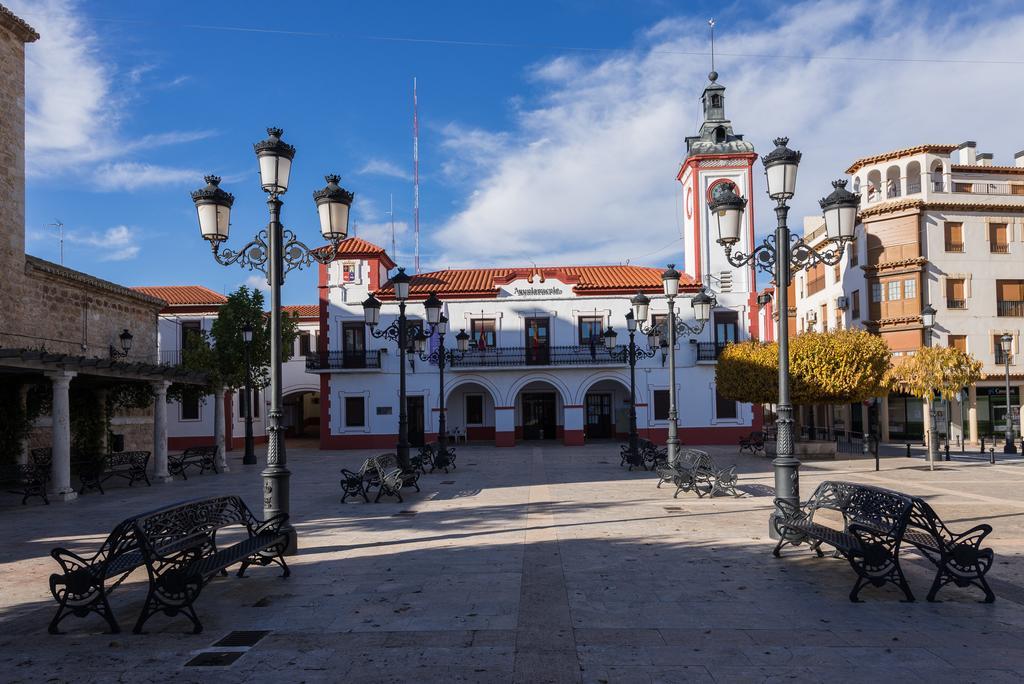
(301, 415)
(606, 410)
(470, 409)
(540, 411)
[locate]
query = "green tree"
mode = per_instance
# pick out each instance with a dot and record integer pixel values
(832, 367)
(221, 352)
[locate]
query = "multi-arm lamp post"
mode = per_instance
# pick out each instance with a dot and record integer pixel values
(631, 353)
(1006, 345)
(249, 458)
(928, 321)
(779, 255)
(274, 252)
(400, 332)
(442, 357)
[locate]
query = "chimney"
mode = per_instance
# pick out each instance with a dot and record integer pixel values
(967, 152)
(984, 159)
(1018, 159)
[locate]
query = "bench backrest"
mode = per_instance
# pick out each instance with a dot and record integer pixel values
(167, 527)
(923, 517)
(206, 450)
(137, 459)
(882, 510)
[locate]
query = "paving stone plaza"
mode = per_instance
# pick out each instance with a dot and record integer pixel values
(532, 564)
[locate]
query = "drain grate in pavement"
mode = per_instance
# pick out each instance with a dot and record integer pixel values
(241, 638)
(404, 514)
(471, 464)
(214, 659)
(447, 481)
(673, 509)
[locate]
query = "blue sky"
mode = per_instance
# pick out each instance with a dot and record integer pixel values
(557, 142)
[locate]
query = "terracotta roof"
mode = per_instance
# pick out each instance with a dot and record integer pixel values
(977, 168)
(485, 282)
(901, 205)
(17, 25)
(895, 154)
(356, 246)
(302, 310)
(184, 295)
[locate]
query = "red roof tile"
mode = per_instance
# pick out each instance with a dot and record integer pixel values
(585, 280)
(356, 246)
(303, 310)
(184, 295)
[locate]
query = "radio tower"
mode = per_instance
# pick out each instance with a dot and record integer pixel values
(416, 176)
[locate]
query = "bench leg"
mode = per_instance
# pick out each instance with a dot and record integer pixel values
(944, 577)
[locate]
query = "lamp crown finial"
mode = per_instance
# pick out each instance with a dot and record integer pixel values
(839, 184)
(212, 180)
(781, 142)
(332, 178)
(275, 132)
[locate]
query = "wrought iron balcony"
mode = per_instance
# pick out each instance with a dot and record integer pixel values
(956, 303)
(344, 360)
(709, 351)
(570, 355)
(1005, 307)
(170, 357)
(1001, 357)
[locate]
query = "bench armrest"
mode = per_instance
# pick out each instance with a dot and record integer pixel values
(272, 524)
(790, 511)
(974, 536)
(70, 561)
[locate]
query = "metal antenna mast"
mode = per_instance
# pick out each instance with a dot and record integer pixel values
(391, 213)
(416, 176)
(60, 228)
(711, 25)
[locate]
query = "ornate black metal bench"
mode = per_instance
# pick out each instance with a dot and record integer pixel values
(82, 587)
(202, 457)
(383, 473)
(958, 558)
(648, 451)
(432, 455)
(754, 443)
(130, 465)
(25, 479)
(694, 470)
(179, 548)
(354, 484)
(874, 522)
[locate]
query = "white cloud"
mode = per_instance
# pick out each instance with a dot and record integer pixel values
(73, 110)
(382, 167)
(120, 176)
(257, 282)
(115, 244)
(380, 233)
(588, 173)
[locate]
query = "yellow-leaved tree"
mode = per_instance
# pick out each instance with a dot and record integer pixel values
(829, 367)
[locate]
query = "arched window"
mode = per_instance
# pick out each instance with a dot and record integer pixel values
(716, 101)
(719, 135)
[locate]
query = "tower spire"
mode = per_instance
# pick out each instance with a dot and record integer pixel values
(711, 27)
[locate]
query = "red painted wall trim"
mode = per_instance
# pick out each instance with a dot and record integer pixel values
(572, 437)
(504, 439)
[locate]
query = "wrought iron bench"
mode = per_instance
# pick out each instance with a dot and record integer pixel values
(130, 465)
(202, 457)
(754, 443)
(874, 521)
(82, 587)
(649, 454)
(388, 478)
(432, 455)
(179, 549)
(26, 479)
(354, 484)
(958, 558)
(695, 469)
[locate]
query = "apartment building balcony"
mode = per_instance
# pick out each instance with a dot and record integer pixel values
(1009, 308)
(1001, 357)
(542, 355)
(336, 360)
(956, 303)
(170, 357)
(710, 351)
(962, 187)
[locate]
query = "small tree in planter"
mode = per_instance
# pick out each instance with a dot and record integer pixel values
(931, 372)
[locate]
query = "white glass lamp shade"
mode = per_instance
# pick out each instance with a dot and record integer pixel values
(670, 281)
(780, 167)
(840, 212)
(928, 316)
(400, 281)
(442, 326)
(462, 339)
(371, 311)
(609, 338)
(1006, 344)
(419, 342)
(126, 341)
(275, 158)
(702, 305)
(433, 306)
(641, 306)
(630, 322)
(213, 207)
(654, 339)
(726, 211)
(333, 205)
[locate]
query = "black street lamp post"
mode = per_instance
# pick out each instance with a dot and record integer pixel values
(274, 252)
(928, 321)
(1006, 345)
(779, 255)
(249, 458)
(442, 357)
(631, 353)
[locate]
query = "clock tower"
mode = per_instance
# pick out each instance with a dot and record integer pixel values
(716, 158)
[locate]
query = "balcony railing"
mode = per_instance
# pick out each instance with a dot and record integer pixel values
(956, 303)
(709, 351)
(511, 357)
(988, 188)
(1009, 308)
(170, 357)
(343, 360)
(955, 247)
(999, 247)
(1001, 357)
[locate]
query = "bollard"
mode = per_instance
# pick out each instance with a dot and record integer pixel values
(963, 443)
(908, 449)
(992, 455)
(982, 450)
(947, 451)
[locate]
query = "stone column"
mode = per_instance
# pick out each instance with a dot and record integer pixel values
(972, 414)
(572, 428)
(883, 418)
(23, 447)
(101, 399)
(60, 467)
(160, 431)
(218, 428)
(504, 426)
(865, 419)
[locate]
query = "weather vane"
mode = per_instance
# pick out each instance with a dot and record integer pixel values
(711, 25)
